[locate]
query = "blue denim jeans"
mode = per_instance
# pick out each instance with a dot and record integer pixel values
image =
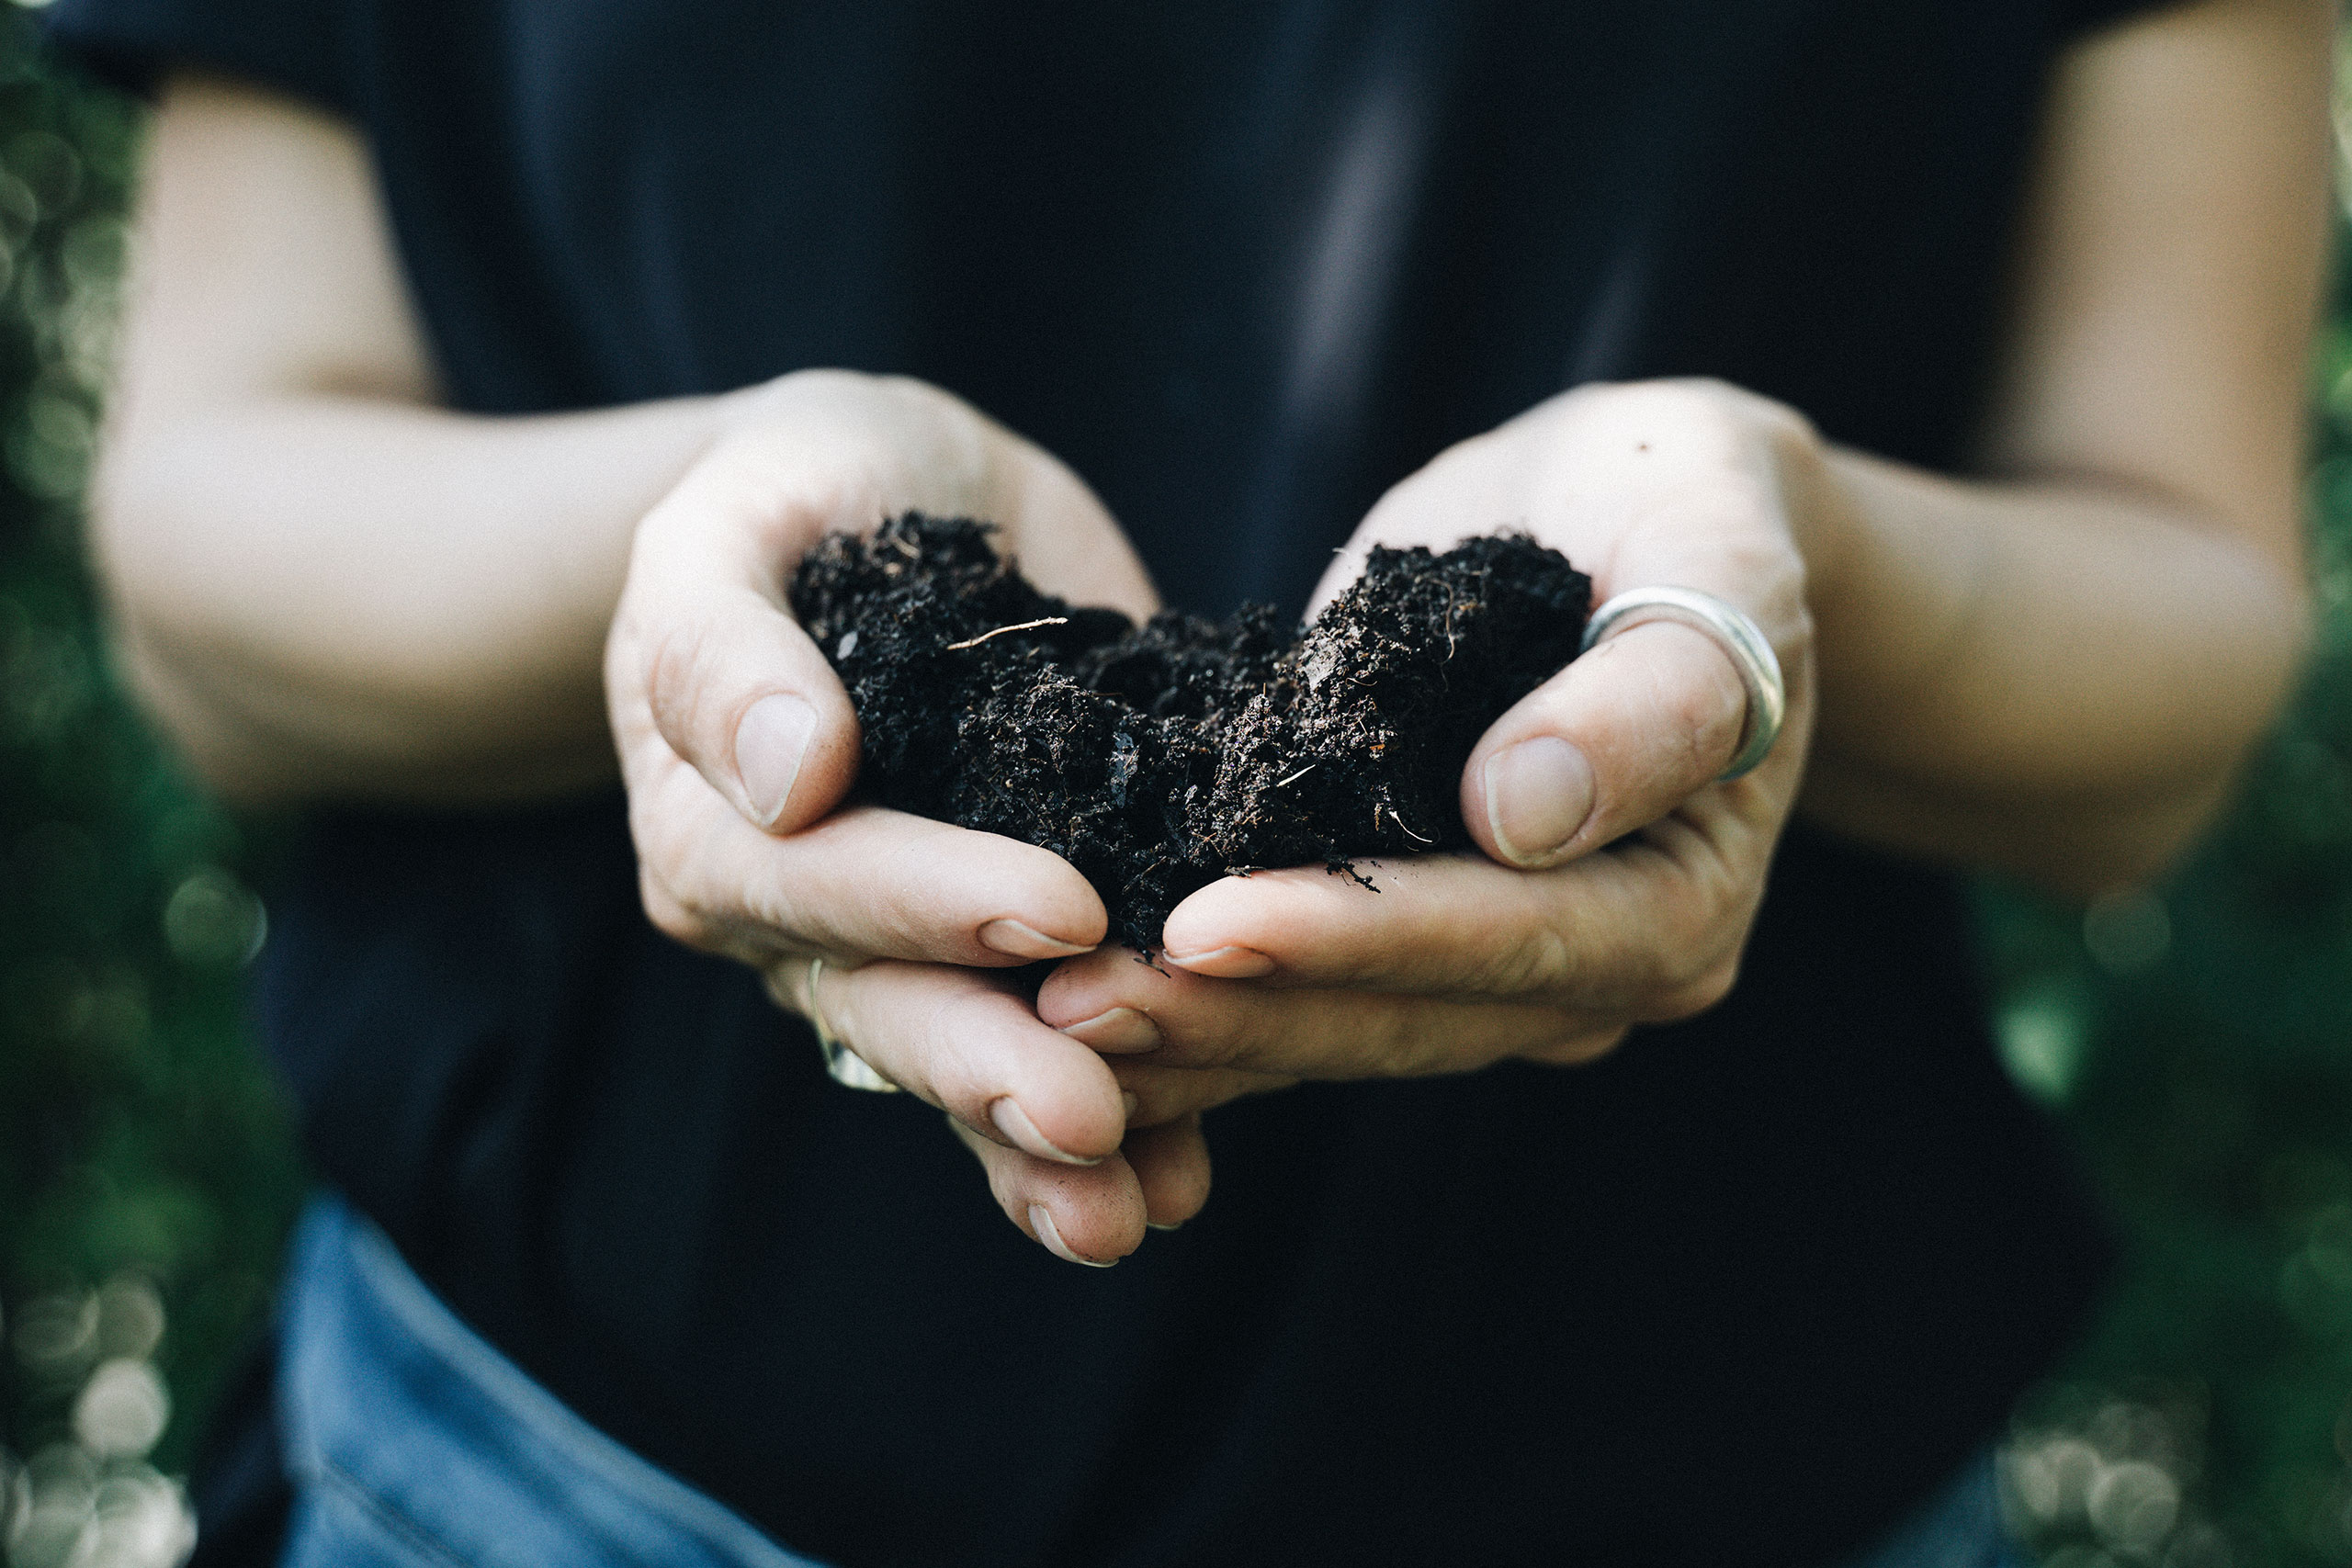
(412, 1443)
(1960, 1526)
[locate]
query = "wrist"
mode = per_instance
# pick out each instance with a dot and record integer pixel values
(1825, 521)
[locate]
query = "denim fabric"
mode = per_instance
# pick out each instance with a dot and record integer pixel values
(412, 1443)
(1960, 1526)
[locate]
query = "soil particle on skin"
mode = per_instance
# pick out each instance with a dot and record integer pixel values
(1157, 758)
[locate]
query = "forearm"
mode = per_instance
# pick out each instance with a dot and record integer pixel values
(2058, 680)
(327, 597)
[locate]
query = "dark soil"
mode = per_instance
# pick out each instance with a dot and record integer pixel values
(1156, 759)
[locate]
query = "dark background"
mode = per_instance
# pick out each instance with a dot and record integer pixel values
(2198, 1042)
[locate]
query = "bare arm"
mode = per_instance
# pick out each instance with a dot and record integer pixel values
(2058, 669)
(329, 589)
(2055, 668)
(322, 585)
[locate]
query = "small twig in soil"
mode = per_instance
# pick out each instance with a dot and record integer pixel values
(1016, 627)
(1298, 775)
(1408, 833)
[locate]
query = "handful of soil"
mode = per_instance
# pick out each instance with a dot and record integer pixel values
(1157, 758)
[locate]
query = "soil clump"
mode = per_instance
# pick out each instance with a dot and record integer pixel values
(1157, 758)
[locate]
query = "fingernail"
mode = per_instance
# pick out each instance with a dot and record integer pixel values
(1017, 940)
(1156, 1226)
(769, 745)
(1224, 962)
(1538, 794)
(1129, 1103)
(1119, 1030)
(1041, 1220)
(1014, 1124)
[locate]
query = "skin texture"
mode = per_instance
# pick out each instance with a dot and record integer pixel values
(330, 589)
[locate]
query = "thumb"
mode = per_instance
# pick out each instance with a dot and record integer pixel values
(1611, 743)
(704, 655)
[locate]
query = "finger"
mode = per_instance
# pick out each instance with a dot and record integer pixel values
(1639, 931)
(958, 1040)
(1164, 1095)
(704, 633)
(1660, 484)
(1615, 741)
(1171, 1164)
(1231, 1035)
(1068, 542)
(863, 883)
(704, 650)
(865, 447)
(1092, 1216)
(705, 659)
(1161, 1096)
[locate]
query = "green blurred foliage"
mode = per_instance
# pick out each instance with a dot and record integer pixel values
(145, 1161)
(2198, 1042)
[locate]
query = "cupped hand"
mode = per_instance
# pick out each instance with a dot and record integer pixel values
(1618, 875)
(738, 745)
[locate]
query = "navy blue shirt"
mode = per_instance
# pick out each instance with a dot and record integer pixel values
(1738, 1293)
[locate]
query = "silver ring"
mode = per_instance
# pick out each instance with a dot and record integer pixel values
(1758, 666)
(845, 1065)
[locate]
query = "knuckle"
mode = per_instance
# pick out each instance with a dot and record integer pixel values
(1537, 960)
(939, 1062)
(825, 382)
(898, 889)
(669, 915)
(1647, 976)
(1422, 1046)
(1724, 430)
(1206, 1040)
(833, 399)
(1395, 1047)
(1710, 705)
(1696, 995)
(1709, 399)
(676, 673)
(1172, 1096)
(665, 871)
(1732, 411)
(1701, 413)
(624, 643)
(766, 906)
(1537, 951)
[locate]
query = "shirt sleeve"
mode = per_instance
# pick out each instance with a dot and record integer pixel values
(293, 46)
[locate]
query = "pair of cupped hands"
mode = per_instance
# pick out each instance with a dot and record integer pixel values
(1616, 886)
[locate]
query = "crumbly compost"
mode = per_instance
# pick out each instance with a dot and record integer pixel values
(1157, 758)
